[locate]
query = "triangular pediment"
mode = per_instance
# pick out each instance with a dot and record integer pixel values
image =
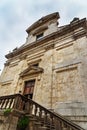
(31, 70)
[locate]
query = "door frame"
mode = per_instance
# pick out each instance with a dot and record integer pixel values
(31, 94)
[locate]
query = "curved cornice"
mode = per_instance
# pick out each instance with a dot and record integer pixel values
(43, 20)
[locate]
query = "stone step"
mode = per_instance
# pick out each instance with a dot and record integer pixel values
(50, 129)
(50, 126)
(29, 115)
(42, 128)
(37, 123)
(64, 128)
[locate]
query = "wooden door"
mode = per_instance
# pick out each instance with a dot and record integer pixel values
(29, 88)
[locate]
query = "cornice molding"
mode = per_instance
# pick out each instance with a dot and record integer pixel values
(49, 47)
(31, 70)
(43, 20)
(64, 45)
(34, 62)
(39, 30)
(63, 31)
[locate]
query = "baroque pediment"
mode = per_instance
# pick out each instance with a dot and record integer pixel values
(43, 21)
(31, 70)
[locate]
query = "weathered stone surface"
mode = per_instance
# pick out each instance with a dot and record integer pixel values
(63, 58)
(8, 122)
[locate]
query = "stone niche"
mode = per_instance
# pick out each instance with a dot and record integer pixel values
(68, 83)
(69, 95)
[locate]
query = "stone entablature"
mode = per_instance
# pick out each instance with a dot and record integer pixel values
(76, 30)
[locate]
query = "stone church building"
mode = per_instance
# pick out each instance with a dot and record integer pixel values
(51, 67)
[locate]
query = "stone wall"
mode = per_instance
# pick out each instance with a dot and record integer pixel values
(64, 76)
(8, 122)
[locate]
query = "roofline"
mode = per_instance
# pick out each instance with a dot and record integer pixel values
(42, 21)
(67, 29)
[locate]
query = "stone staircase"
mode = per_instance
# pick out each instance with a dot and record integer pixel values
(40, 118)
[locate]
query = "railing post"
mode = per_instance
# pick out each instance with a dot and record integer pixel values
(16, 102)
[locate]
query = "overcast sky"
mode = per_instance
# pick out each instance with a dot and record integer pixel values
(17, 15)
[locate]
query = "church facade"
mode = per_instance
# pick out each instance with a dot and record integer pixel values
(51, 67)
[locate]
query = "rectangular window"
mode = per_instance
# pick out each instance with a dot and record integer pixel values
(39, 36)
(35, 65)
